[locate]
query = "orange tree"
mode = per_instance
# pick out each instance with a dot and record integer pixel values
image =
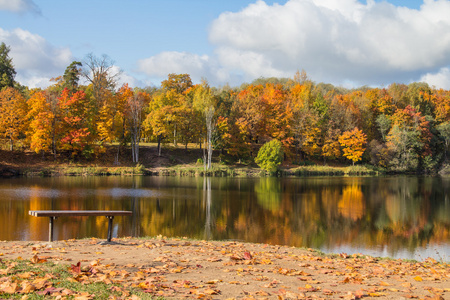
(353, 144)
(75, 131)
(41, 129)
(13, 111)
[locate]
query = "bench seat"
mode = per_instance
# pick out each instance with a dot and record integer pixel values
(53, 214)
(77, 213)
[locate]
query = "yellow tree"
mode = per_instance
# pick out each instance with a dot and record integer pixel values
(331, 148)
(40, 133)
(353, 144)
(110, 124)
(13, 111)
(165, 110)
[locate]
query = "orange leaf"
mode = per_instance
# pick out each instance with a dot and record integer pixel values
(211, 292)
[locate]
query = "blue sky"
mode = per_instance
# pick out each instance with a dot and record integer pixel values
(343, 42)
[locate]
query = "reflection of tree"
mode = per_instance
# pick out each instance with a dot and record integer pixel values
(268, 193)
(207, 204)
(313, 212)
(352, 204)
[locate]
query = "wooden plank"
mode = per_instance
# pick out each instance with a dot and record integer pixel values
(76, 213)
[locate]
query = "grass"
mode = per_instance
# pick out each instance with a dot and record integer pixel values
(174, 161)
(58, 276)
(217, 170)
(317, 170)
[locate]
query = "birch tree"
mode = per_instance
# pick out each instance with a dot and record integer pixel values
(204, 101)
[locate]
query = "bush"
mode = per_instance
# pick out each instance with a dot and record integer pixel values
(270, 156)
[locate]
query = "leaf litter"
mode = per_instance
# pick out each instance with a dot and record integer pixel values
(176, 268)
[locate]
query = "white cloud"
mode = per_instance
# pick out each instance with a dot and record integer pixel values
(126, 78)
(165, 63)
(334, 41)
(440, 79)
(20, 6)
(35, 60)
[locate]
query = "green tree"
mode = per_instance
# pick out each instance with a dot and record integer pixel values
(409, 140)
(384, 125)
(72, 76)
(7, 72)
(444, 130)
(270, 156)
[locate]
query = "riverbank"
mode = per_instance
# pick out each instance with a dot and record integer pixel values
(132, 268)
(172, 162)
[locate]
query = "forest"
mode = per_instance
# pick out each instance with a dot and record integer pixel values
(398, 128)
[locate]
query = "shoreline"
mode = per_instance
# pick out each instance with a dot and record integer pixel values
(179, 267)
(187, 170)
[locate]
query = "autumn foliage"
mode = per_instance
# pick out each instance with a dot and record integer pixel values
(397, 128)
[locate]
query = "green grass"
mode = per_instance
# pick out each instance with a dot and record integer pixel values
(60, 276)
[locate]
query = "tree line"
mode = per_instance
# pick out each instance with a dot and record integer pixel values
(400, 127)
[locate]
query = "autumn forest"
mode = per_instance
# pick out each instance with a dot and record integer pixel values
(399, 128)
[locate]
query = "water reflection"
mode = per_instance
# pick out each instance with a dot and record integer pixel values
(392, 216)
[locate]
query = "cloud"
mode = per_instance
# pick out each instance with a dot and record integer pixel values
(126, 78)
(197, 66)
(441, 79)
(20, 6)
(165, 63)
(334, 41)
(35, 59)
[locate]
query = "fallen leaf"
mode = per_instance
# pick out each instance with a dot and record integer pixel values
(76, 268)
(211, 292)
(27, 287)
(212, 281)
(36, 260)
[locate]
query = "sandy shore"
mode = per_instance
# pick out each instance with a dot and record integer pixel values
(179, 268)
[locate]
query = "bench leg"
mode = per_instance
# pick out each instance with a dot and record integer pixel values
(110, 220)
(50, 229)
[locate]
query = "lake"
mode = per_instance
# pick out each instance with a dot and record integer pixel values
(394, 216)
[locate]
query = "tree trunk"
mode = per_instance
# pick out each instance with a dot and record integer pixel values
(133, 150)
(116, 161)
(136, 150)
(209, 149)
(175, 136)
(12, 144)
(54, 139)
(209, 128)
(204, 159)
(159, 145)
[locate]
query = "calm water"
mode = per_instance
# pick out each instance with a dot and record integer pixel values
(401, 217)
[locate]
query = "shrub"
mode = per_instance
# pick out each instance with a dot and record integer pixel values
(270, 156)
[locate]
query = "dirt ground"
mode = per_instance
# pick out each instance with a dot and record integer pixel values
(181, 268)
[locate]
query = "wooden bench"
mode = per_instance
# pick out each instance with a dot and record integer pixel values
(53, 214)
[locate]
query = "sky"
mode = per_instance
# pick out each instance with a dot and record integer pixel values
(348, 43)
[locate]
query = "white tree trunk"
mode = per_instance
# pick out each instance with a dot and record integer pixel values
(209, 113)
